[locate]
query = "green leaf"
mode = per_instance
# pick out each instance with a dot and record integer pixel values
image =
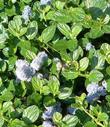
(103, 117)
(77, 14)
(28, 54)
(3, 65)
(7, 106)
(95, 76)
(105, 48)
(37, 84)
(95, 32)
(90, 124)
(108, 58)
(4, 96)
(57, 117)
(70, 74)
(70, 120)
(3, 34)
(78, 52)
(31, 114)
(65, 93)
(27, 1)
(49, 101)
(17, 123)
(15, 27)
(1, 122)
(48, 33)
(96, 3)
(62, 46)
(84, 62)
(32, 30)
(76, 30)
(96, 7)
(108, 85)
(108, 70)
(101, 62)
(61, 16)
(64, 29)
(54, 85)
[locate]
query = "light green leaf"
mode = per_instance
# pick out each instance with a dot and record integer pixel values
(17, 123)
(103, 117)
(70, 74)
(84, 62)
(64, 29)
(32, 30)
(65, 93)
(105, 48)
(70, 120)
(31, 114)
(48, 33)
(76, 30)
(95, 76)
(54, 85)
(90, 124)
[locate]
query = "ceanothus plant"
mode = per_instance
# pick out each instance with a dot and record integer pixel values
(54, 63)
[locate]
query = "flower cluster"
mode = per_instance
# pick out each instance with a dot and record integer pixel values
(45, 2)
(25, 71)
(26, 13)
(95, 91)
(47, 124)
(48, 113)
(58, 63)
(89, 46)
(39, 61)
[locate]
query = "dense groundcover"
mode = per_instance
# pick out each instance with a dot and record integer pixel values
(54, 63)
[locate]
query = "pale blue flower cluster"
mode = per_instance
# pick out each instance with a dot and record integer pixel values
(26, 13)
(45, 2)
(48, 114)
(25, 71)
(47, 124)
(95, 91)
(39, 61)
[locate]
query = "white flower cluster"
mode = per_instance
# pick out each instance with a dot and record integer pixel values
(25, 71)
(58, 63)
(89, 46)
(45, 2)
(26, 13)
(95, 91)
